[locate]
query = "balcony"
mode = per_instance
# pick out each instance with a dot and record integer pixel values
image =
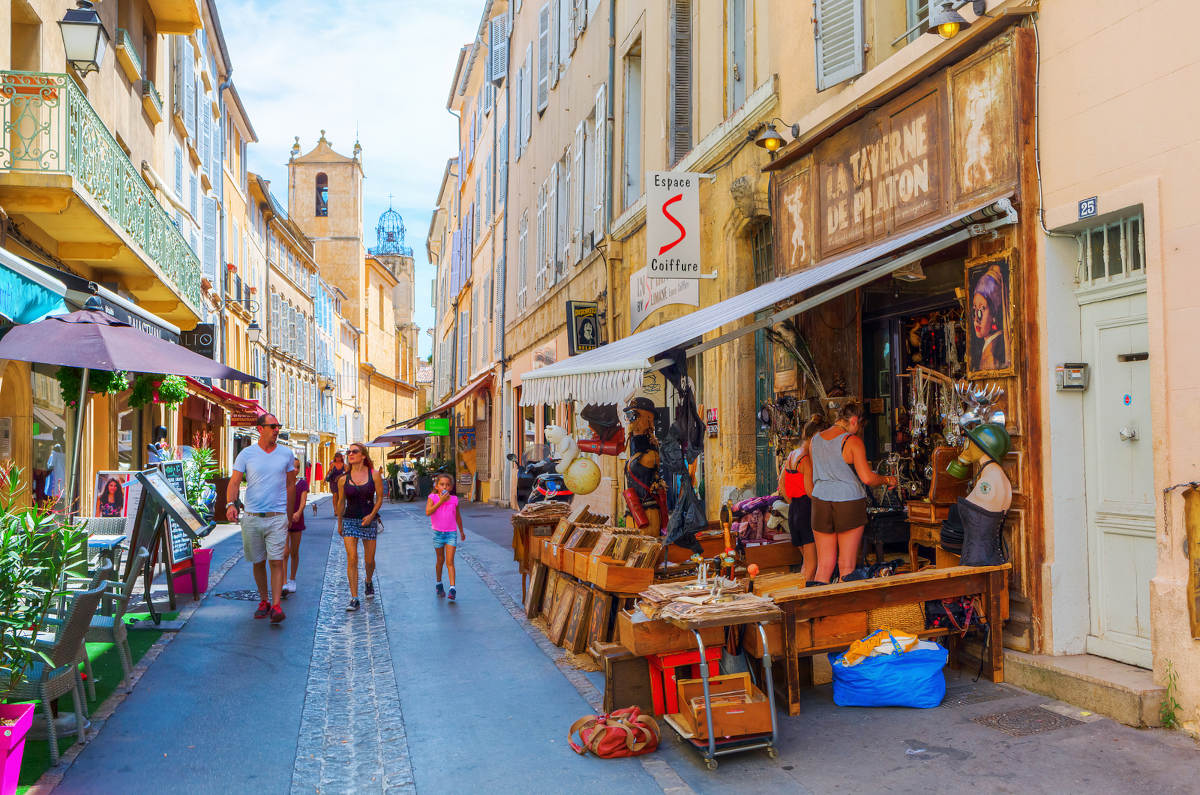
(152, 101)
(127, 56)
(62, 172)
(176, 16)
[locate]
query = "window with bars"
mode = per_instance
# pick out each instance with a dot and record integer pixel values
(1112, 253)
(764, 253)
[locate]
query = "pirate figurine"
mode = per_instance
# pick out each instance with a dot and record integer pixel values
(645, 494)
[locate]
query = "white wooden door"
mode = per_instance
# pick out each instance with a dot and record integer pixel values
(1119, 469)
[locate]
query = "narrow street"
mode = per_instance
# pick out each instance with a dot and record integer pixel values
(416, 693)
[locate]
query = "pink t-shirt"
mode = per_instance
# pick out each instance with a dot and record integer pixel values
(443, 517)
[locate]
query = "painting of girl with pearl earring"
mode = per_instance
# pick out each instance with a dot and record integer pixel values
(990, 317)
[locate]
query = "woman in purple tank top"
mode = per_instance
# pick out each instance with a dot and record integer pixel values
(442, 509)
(359, 498)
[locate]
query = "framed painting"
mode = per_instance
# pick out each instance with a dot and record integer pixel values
(991, 316)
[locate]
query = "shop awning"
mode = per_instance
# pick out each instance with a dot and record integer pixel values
(398, 436)
(613, 372)
(479, 383)
(242, 411)
(27, 293)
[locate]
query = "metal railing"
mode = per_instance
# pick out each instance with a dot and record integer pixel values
(148, 90)
(123, 40)
(47, 126)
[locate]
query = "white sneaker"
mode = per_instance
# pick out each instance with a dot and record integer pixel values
(289, 586)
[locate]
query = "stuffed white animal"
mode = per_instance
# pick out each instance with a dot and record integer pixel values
(563, 447)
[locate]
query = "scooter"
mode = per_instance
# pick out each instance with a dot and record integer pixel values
(408, 484)
(550, 487)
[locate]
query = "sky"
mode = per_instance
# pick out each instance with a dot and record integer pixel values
(378, 69)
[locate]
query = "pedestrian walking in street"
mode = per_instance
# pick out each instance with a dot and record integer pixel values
(359, 497)
(839, 503)
(337, 468)
(269, 470)
(296, 529)
(442, 509)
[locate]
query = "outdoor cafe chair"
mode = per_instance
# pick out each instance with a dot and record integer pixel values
(46, 681)
(110, 627)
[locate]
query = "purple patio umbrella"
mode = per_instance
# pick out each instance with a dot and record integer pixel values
(91, 339)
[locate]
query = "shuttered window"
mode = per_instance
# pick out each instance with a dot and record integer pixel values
(189, 87)
(210, 239)
(600, 171)
(498, 51)
(564, 31)
(631, 129)
(564, 216)
(551, 221)
(523, 262)
(736, 79)
(179, 172)
(679, 136)
(206, 138)
(838, 27)
(544, 47)
(539, 282)
(518, 118)
(527, 101)
(502, 169)
(579, 177)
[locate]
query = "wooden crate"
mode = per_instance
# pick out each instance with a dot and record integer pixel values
(644, 636)
(626, 678)
(612, 575)
(575, 562)
(748, 714)
(845, 628)
(752, 641)
(775, 555)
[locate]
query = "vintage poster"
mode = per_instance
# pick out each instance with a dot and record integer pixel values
(583, 326)
(464, 453)
(984, 124)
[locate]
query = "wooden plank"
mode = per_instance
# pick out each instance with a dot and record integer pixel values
(852, 601)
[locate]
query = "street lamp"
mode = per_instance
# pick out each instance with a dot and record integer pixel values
(769, 139)
(254, 332)
(945, 21)
(328, 390)
(84, 38)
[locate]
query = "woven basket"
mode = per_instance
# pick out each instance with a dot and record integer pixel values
(908, 617)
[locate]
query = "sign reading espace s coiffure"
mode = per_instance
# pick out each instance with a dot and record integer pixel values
(673, 225)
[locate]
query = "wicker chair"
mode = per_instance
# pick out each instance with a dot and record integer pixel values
(47, 681)
(111, 628)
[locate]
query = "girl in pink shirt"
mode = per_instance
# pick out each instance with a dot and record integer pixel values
(442, 509)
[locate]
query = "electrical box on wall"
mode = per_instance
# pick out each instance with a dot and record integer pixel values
(1071, 377)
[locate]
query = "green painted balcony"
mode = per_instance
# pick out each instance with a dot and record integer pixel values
(62, 171)
(127, 56)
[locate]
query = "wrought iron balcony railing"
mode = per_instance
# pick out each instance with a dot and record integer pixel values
(47, 126)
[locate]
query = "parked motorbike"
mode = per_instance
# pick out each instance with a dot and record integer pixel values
(408, 484)
(549, 487)
(537, 480)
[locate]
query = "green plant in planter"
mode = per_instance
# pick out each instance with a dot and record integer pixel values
(169, 390)
(100, 382)
(38, 549)
(392, 469)
(198, 473)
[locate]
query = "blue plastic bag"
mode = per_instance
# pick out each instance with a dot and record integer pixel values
(908, 679)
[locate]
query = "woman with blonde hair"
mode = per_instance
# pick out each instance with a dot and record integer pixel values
(359, 498)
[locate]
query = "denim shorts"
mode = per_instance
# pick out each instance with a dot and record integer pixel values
(444, 539)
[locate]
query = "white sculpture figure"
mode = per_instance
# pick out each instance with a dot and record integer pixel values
(795, 206)
(562, 446)
(977, 143)
(580, 473)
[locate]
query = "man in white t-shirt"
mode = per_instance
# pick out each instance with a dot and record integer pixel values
(270, 474)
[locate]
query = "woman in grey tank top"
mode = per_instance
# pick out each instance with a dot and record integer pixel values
(839, 505)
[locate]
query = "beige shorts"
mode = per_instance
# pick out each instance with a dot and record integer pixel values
(264, 537)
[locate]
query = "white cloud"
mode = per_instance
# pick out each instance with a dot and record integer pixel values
(376, 69)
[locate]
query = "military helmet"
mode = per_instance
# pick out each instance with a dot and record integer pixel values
(992, 438)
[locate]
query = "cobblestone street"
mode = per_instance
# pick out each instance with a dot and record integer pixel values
(416, 693)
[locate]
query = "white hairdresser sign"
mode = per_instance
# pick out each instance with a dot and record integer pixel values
(673, 225)
(646, 294)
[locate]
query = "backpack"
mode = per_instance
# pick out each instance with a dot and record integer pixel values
(620, 733)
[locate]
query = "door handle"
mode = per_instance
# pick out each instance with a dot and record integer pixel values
(1128, 434)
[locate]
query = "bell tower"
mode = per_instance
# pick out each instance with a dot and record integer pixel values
(325, 200)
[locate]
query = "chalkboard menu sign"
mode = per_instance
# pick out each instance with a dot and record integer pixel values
(181, 544)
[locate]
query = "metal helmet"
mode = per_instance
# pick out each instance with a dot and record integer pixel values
(992, 438)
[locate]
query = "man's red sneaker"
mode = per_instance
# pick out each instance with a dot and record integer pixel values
(277, 614)
(264, 609)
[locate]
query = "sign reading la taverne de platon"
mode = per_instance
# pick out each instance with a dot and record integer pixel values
(673, 225)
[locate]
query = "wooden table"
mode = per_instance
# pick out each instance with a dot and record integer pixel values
(828, 602)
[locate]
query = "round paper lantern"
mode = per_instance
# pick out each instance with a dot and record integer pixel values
(582, 476)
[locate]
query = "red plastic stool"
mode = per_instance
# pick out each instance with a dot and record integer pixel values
(663, 687)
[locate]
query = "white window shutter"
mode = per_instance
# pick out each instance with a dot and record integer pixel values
(543, 79)
(564, 214)
(178, 171)
(573, 33)
(498, 54)
(581, 15)
(839, 31)
(558, 24)
(600, 172)
(527, 101)
(579, 175)
(189, 87)
(206, 137)
(522, 261)
(502, 169)
(679, 136)
(539, 283)
(552, 223)
(210, 239)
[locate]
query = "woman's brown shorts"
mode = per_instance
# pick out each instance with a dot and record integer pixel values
(838, 517)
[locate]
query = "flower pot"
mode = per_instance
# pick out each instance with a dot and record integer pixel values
(202, 560)
(12, 743)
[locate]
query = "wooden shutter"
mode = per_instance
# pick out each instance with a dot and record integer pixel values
(539, 283)
(579, 175)
(839, 31)
(211, 266)
(498, 302)
(570, 28)
(498, 54)
(179, 171)
(188, 99)
(527, 100)
(206, 137)
(600, 179)
(543, 79)
(679, 136)
(552, 245)
(523, 261)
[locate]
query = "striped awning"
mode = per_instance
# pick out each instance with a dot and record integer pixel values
(613, 372)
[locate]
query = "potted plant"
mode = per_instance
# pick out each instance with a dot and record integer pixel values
(37, 551)
(100, 382)
(424, 477)
(199, 470)
(168, 390)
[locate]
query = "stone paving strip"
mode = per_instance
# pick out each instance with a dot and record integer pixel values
(352, 735)
(663, 774)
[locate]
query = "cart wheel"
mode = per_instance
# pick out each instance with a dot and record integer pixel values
(771, 752)
(711, 764)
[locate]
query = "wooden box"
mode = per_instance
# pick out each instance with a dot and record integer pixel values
(612, 575)
(644, 636)
(752, 641)
(774, 555)
(553, 555)
(737, 706)
(845, 628)
(575, 561)
(712, 541)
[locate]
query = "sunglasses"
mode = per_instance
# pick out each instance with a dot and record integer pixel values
(273, 425)
(354, 452)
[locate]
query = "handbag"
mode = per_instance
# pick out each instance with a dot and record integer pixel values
(617, 734)
(960, 614)
(379, 528)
